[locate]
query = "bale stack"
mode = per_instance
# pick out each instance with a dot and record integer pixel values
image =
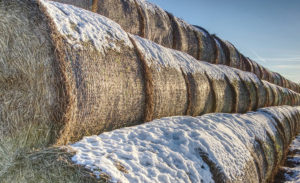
(88, 76)
(142, 18)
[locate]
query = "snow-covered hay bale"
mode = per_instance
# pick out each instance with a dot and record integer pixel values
(62, 72)
(270, 95)
(214, 147)
(234, 56)
(240, 91)
(157, 25)
(256, 69)
(125, 13)
(222, 51)
(260, 91)
(167, 86)
(247, 79)
(207, 46)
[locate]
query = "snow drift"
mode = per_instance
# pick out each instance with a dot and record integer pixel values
(210, 148)
(147, 20)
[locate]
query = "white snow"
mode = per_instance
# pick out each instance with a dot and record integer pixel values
(159, 57)
(80, 26)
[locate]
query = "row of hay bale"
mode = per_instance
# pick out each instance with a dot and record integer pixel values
(151, 22)
(210, 148)
(71, 73)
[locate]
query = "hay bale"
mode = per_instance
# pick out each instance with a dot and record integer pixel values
(124, 12)
(256, 69)
(242, 95)
(234, 56)
(169, 88)
(157, 25)
(70, 94)
(248, 78)
(222, 51)
(261, 92)
(207, 46)
(270, 94)
(222, 88)
(185, 38)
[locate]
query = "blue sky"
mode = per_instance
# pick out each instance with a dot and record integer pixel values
(267, 31)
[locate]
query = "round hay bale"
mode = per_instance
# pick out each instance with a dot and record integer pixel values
(222, 51)
(270, 94)
(234, 56)
(202, 96)
(265, 137)
(280, 119)
(222, 88)
(256, 69)
(276, 94)
(84, 85)
(169, 88)
(261, 92)
(241, 93)
(207, 46)
(185, 38)
(157, 25)
(124, 12)
(248, 64)
(247, 78)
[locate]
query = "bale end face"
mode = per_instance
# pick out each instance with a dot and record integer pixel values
(29, 105)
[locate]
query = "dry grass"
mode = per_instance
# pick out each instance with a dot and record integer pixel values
(45, 166)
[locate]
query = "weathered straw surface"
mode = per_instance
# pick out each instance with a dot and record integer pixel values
(185, 38)
(222, 51)
(157, 25)
(234, 56)
(241, 94)
(270, 93)
(169, 88)
(208, 48)
(247, 79)
(126, 13)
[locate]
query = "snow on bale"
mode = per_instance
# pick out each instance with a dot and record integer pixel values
(147, 20)
(222, 51)
(211, 148)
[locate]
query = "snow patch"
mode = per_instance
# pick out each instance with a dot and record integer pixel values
(79, 26)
